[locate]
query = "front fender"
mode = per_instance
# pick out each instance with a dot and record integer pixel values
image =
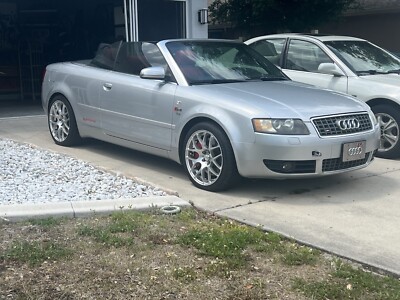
(237, 127)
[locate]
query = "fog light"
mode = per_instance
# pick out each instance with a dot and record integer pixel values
(288, 166)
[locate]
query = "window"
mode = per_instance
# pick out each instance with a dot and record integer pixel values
(363, 57)
(206, 62)
(153, 55)
(270, 49)
(105, 55)
(305, 56)
(129, 58)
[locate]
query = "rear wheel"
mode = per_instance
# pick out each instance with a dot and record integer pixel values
(389, 119)
(62, 123)
(208, 158)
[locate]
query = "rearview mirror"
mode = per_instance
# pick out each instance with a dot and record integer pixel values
(331, 69)
(153, 73)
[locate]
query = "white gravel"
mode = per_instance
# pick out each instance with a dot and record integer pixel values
(31, 175)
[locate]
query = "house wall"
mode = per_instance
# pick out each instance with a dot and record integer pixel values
(195, 29)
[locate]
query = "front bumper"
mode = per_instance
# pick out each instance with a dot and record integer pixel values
(278, 156)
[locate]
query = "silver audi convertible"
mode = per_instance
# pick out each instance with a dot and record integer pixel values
(217, 107)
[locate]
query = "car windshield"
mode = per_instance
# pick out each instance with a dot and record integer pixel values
(364, 58)
(210, 62)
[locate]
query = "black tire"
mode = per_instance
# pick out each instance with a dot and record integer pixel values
(209, 168)
(62, 123)
(389, 121)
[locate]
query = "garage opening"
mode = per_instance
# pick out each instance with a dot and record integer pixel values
(36, 33)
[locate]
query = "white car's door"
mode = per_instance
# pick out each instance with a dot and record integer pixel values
(301, 64)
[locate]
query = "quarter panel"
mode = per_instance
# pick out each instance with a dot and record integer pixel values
(80, 84)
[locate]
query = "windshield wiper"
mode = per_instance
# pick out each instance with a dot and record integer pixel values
(370, 72)
(272, 78)
(394, 71)
(216, 81)
(375, 72)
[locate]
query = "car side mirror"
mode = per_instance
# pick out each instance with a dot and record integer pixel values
(331, 69)
(153, 73)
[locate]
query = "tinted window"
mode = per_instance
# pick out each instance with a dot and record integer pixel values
(105, 55)
(135, 56)
(270, 49)
(153, 55)
(129, 58)
(305, 56)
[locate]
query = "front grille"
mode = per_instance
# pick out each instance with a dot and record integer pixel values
(334, 164)
(327, 126)
(291, 166)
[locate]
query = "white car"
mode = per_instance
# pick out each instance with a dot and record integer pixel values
(344, 64)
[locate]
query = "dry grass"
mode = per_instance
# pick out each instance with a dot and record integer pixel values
(191, 255)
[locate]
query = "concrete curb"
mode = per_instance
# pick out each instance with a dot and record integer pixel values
(74, 209)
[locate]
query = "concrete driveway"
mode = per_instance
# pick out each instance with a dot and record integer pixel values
(354, 215)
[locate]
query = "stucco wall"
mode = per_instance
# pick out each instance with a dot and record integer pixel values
(195, 29)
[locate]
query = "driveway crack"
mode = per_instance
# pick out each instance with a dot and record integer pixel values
(251, 202)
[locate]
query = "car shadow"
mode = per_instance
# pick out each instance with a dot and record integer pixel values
(134, 157)
(361, 185)
(356, 186)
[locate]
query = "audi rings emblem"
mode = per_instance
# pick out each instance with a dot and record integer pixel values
(355, 151)
(347, 124)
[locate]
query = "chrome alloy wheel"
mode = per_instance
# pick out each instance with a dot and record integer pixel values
(389, 131)
(59, 121)
(203, 157)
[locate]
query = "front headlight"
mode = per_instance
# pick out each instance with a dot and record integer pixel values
(280, 126)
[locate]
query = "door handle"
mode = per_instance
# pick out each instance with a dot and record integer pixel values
(107, 86)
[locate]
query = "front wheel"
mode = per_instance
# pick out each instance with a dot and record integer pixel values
(389, 119)
(62, 123)
(208, 158)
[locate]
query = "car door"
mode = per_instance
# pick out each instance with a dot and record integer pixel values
(135, 109)
(301, 62)
(138, 110)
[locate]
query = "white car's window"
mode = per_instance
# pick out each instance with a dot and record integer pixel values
(270, 49)
(364, 58)
(205, 62)
(305, 56)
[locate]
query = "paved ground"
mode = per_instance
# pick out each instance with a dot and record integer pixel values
(355, 215)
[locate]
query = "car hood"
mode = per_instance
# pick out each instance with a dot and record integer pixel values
(389, 79)
(282, 99)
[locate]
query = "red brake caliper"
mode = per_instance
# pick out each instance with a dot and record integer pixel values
(196, 154)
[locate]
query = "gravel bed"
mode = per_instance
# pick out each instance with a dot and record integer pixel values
(32, 175)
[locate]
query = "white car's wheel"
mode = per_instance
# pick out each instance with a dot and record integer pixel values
(62, 123)
(389, 119)
(208, 157)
